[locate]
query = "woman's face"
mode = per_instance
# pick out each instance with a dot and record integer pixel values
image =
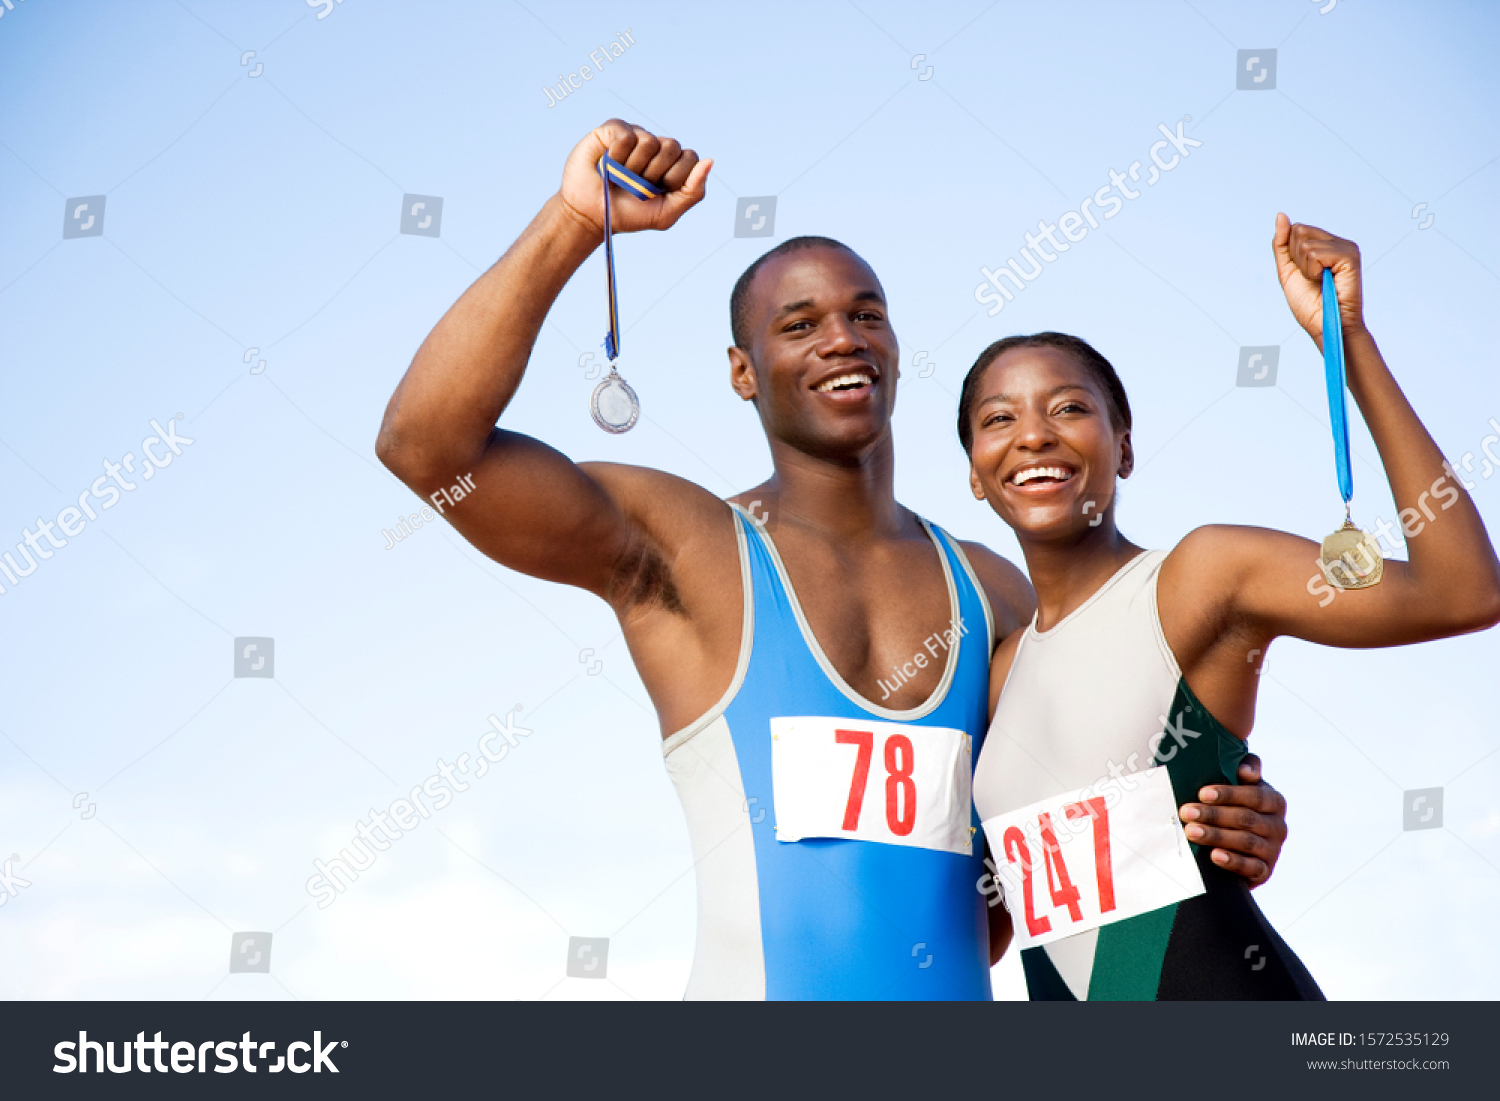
(1045, 452)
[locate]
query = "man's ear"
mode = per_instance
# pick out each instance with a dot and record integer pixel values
(742, 374)
(1127, 456)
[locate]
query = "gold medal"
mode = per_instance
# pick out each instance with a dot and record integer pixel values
(1352, 558)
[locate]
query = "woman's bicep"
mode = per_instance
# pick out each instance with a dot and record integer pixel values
(1281, 588)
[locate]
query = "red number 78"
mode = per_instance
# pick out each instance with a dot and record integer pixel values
(900, 813)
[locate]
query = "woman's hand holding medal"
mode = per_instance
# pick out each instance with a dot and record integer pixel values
(1315, 267)
(1302, 252)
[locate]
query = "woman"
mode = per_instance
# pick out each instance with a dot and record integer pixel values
(1149, 658)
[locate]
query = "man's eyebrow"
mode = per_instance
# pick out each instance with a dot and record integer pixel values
(808, 303)
(1002, 399)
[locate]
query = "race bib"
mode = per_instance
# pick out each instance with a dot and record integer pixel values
(1070, 863)
(894, 783)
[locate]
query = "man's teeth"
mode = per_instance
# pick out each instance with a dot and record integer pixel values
(1056, 473)
(857, 379)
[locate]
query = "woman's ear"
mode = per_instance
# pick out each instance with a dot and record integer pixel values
(974, 485)
(742, 375)
(1127, 456)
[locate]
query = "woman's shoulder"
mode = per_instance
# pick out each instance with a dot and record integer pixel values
(1001, 661)
(1221, 551)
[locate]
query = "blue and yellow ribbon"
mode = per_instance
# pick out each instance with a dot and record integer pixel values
(612, 171)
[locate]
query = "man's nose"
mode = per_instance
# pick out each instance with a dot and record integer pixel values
(841, 337)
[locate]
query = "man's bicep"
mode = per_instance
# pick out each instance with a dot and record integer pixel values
(1000, 663)
(532, 509)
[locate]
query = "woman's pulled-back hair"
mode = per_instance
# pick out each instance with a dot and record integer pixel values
(1095, 364)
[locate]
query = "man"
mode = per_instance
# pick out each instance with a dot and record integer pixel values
(833, 836)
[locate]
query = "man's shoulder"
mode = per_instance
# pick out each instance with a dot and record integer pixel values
(1011, 597)
(648, 494)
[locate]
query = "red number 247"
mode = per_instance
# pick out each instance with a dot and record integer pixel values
(1059, 883)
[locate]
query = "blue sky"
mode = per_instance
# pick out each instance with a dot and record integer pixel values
(262, 212)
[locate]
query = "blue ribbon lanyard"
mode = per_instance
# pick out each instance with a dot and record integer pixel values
(612, 171)
(1333, 370)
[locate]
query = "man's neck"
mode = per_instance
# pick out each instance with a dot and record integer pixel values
(851, 499)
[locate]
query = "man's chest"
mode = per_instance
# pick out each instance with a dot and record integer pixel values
(885, 621)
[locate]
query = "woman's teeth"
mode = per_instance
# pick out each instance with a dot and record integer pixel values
(1032, 473)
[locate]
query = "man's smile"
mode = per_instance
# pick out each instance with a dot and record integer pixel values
(852, 383)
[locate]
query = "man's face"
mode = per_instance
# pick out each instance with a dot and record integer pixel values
(823, 359)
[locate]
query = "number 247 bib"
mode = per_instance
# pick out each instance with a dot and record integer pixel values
(894, 783)
(1073, 863)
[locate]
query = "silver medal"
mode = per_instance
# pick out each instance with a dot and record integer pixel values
(614, 405)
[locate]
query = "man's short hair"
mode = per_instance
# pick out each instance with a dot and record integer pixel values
(739, 298)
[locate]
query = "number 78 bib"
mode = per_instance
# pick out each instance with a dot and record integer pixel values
(894, 783)
(1072, 863)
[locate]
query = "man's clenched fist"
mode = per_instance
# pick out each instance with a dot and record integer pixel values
(661, 160)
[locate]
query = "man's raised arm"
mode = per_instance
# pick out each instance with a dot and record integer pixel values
(530, 507)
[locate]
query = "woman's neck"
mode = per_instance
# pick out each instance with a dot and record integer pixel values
(1065, 573)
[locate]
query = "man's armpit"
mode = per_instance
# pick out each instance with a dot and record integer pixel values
(643, 578)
